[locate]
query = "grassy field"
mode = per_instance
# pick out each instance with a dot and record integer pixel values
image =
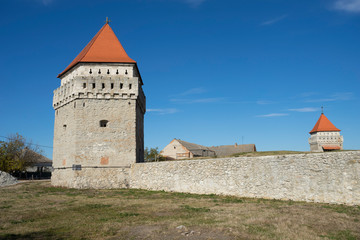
(35, 210)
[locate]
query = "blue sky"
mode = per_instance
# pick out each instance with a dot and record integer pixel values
(215, 72)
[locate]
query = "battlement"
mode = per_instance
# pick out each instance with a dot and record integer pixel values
(99, 87)
(326, 138)
(100, 69)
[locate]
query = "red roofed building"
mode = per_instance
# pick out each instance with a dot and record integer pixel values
(325, 136)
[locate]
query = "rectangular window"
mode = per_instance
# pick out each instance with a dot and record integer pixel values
(84, 85)
(121, 85)
(130, 86)
(93, 85)
(112, 86)
(103, 85)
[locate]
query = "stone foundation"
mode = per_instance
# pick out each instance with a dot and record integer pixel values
(98, 178)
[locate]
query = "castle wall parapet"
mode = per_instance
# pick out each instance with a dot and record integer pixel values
(100, 87)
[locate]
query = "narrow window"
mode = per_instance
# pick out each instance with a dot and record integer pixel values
(126, 72)
(99, 71)
(103, 123)
(74, 104)
(130, 86)
(117, 71)
(103, 85)
(84, 85)
(83, 104)
(121, 85)
(90, 71)
(93, 85)
(108, 71)
(112, 86)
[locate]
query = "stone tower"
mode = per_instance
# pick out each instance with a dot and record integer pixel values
(99, 116)
(325, 136)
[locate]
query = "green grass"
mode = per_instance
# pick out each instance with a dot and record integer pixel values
(195, 209)
(36, 210)
(341, 235)
(266, 153)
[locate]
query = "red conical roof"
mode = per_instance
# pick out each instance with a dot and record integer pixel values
(324, 125)
(104, 47)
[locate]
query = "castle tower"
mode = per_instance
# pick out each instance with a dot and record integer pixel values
(99, 116)
(325, 136)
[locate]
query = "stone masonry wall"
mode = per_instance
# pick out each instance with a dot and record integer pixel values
(98, 178)
(317, 177)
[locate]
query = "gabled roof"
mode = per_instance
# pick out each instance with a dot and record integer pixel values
(105, 47)
(192, 146)
(35, 157)
(195, 149)
(227, 150)
(324, 125)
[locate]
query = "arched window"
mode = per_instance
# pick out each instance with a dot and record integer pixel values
(103, 123)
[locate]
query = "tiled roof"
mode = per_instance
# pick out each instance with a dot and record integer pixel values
(324, 125)
(330, 147)
(224, 150)
(192, 146)
(36, 157)
(227, 150)
(104, 47)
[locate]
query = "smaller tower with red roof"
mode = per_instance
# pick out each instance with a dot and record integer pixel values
(325, 136)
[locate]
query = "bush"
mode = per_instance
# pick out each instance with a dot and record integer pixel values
(152, 155)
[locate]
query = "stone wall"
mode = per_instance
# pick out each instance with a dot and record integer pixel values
(317, 177)
(98, 178)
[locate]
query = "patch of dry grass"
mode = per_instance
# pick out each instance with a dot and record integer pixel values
(35, 210)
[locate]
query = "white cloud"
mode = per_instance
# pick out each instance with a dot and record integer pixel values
(273, 21)
(305, 109)
(163, 111)
(264, 102)
(273, 115)
(192, 91)
(344, 96)
(308, 94)
(348, 5)
(199, 100)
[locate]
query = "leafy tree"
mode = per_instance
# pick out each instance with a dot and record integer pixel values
(17, 153)
(152, 155)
